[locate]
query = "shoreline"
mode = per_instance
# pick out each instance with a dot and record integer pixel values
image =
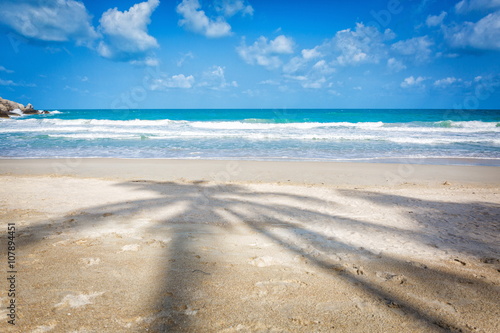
(295, 172)
(460, 161)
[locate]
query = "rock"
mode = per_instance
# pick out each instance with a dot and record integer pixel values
(10, 108)
(30, 111)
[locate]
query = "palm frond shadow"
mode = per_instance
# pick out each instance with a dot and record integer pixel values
(222, 208)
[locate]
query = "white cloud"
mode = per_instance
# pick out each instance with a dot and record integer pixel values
(395, 65)
(418, 48)
(296, 77)
(412, 82)
(435, 20)
(307, 55)
(350, 47)
(125, 34)
(214, 78)
(184, 57)
(311, 53)
(281, 44)
(482, 35)
(309, 81)
(147, 61)
(364, 44)
(295, 64)
(466, 6)
(175, 81)
(3, 69)
(270, 82)
(76, 90)
(265, 53)
(446, 82)
(15, 84)
(195, 19)
(230, 8)
(347, 48)
(316, 84)
(487, 84)
(49, 20)
(322, 67)
(7, 83)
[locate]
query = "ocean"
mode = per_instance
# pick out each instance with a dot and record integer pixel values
(420, 136)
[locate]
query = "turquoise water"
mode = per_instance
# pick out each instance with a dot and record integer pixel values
(287, 115)
(267, 134)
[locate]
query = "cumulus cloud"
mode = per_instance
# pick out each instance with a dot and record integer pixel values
(125, 34)
(195, 19)
(294, 65)
(417, 48)
(364, 44)
(175, 81)
(482, 35)
(435, 20)
(349, 47)
(49, 20)
(466, 6)
(214, 78)
(266, 53)
(446, 82)
(301, 62)
(230, 8)
(311, 53)
(395, 65)
(412, 82)
(323, 67)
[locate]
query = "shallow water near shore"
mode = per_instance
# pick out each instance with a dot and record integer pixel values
(267, 134)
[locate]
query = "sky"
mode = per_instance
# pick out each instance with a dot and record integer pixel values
(128, 54)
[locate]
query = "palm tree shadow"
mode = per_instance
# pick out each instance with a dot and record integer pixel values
(466, 227)
(207, 208)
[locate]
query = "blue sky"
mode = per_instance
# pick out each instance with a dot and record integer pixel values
(61, 54)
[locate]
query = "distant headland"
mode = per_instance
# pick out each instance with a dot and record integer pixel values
(10, 108)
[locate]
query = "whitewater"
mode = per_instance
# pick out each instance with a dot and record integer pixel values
(314, 135)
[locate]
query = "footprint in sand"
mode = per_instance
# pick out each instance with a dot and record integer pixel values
(87, 262)
(76, 301)
(44, 328)
(266, 261)
(130, 247)
(395, 278)
(157, 243)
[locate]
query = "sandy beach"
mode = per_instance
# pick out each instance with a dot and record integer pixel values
(115, 245)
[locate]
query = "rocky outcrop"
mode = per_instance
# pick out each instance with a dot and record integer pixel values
(10, 108)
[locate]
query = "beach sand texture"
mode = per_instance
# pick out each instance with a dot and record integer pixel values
(220, 246)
